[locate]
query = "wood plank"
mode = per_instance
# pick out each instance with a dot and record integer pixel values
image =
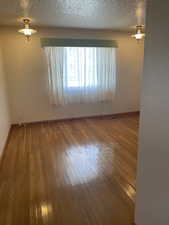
(79, 172)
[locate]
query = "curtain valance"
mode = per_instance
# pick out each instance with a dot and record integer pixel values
(55, 42)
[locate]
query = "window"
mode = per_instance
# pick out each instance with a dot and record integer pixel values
(81, 74)
(81, 63)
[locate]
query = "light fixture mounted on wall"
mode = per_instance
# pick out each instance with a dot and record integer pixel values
(27, 31)
(139, 33)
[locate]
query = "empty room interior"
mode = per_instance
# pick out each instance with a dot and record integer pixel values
(84, 112)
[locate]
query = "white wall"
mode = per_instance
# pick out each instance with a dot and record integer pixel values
(4, 109)
(27, 74)
(152, 206)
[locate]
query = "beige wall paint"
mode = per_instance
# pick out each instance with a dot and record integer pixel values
(4, 109)
(152, 205)
(27, 75)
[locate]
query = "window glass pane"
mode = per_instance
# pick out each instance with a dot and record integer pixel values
(81, 67)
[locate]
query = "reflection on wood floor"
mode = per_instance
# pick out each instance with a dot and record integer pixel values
(79, 172)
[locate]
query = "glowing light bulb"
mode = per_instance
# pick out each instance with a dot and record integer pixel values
(139, 36)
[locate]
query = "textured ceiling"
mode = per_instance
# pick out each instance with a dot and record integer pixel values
(96, 14)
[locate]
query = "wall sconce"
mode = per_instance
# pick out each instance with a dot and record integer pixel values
(139, 33)
(27, 31)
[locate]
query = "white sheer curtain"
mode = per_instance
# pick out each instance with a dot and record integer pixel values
(81, 74)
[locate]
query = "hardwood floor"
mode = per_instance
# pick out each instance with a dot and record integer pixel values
(79, 172)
